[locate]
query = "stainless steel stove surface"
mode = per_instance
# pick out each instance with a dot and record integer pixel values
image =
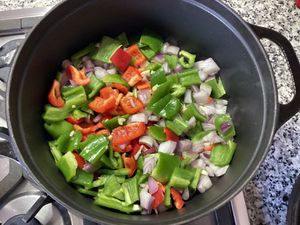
(20, 198)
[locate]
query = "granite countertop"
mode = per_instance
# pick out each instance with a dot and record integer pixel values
(268, 192)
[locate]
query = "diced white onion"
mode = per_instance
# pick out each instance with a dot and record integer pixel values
(221, 109)
(147, 140)
(207, 66)
(162, 123)
(153, 118)
(192, 122)
(206, 88)
(112, 71)
(186, 194)
(165, 47)
(198, 163)
(201, 97)
(195, 88)
(146, 199)
(173, 50)
(166, 68)
(203, 76)
(208, 109)
(146, 74)
(197, 146)
(100, 72)
(149, 164)
(210, 171)
(218, 171)
(97, 118)
(184, 145)
(221, 102)
(144, 96)
(139, 117)
(188, 96)
(208, 126)
(167, 147)
(204, 183)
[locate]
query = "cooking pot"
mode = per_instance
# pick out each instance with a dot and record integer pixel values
(204, 27)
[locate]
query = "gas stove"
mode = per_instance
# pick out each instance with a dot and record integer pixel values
(21, 200)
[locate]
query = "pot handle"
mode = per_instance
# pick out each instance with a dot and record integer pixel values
(288, 110)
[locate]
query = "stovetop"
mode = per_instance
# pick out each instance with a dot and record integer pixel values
(19, 195)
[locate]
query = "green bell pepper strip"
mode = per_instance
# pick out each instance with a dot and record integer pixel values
(192, 111)
(83, 52)
(68, 141)
(94, 86)
(143, 178)
(83, 178)
(113, 188)
(219, 121)
(115, 122)
(192, 132)
(112, 159)
(217, 88)
(152, 40)
(119, 160)
(58, 128)
(122, 38)
(171, 109)
(93, 151)
(114, 78)
(158, 106)
(87, 192)
(178, 126)
(114, 203)
(167, 199)
(107, 162)
(148, 52)
(74, 97)
(140, 163)
(173, 79)
(78, 114)
(108, 47)
(161, 91)
(186, 59)
(198, 136)
(177, 90)
(67, 164)
(181, 178)
(53, 114)
(118, 172)
(131, 190)
(221, 155)
(89, 140)
(55, 152)
(189, 77)
(165, 166)
(186, 161)
(194, 183)
(158, 77)
(153, 66)
(121, 179)
(157, 133)
(171, 60)
(101, 181)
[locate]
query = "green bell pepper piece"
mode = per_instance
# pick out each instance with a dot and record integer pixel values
(122, 38)
(83, 52)
(140, 163)
(89, 140)
(192, 132)
(161, 91)
(83, 178)
(165, 166)
(114, 78)
(177, 90)
(143, 178)
(167, 199)
(87, 192)
(113, 188)
(152, 40)
(53, 114)
(171, 109)
(107, 162)
(78, 114)
(118, 172)
(198, 136)
(157, 133)
(58, 128)
(74, 97)
(131, 190)
(189, 77)
(158, 106)
(108, 47)
(153, 66)
(93, 151)
(217, 88)
(171, 60)
(101, 181)
(114, 203)
(181, 178)
(115, 122)
(225, 119)
(68, 141)
(194, 183)
(221, 155)
(192, 111)
(158, 77)
(67, 164)
(55, 152)
(148, 52)
(186, 59)
(178, 126)
(173, 79)
(94, 86)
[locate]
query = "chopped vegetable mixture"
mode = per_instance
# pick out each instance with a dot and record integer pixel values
(139, 127)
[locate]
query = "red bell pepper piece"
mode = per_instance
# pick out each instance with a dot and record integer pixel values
(170, 135)
(103, 132)
(125, 134)
(121, 59)
(297, 3)
(179, 203)
(126, 148)
(131, 104)
(121, 88)
(108, 92)
(73, 120)
(89, 129)
(101, 105)
(142, 85)
(158, 196)
(79, 159)
(78, 77)
(136, 54)
(54, 96)
(132, 76)
(130, 164)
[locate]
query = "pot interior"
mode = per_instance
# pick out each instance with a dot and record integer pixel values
(206, 28)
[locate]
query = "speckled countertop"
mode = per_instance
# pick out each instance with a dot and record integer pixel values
(268, 192)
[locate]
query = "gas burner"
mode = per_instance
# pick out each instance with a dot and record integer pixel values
(18, 220)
